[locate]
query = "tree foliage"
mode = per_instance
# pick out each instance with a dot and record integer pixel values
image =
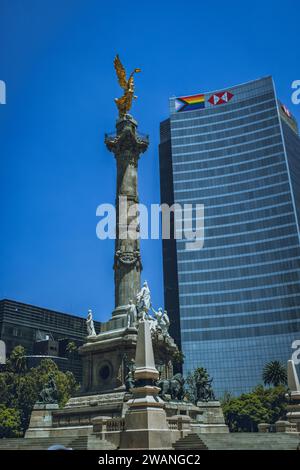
(10, 422)
(20, 388)
(17, 360)
(262, 405)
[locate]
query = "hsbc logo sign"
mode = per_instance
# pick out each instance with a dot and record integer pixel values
(220, 98)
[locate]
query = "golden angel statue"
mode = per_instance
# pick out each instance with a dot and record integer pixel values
(125, 102)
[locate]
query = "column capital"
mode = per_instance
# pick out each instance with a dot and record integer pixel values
(126, 143)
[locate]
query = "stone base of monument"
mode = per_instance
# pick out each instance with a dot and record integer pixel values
(80, 411)
(181, 408)
(104, 360)
(293, 412)
(210, 418)
(285, 426)
(146, 428)
(145, 424)
(41, 420)
(293, 397)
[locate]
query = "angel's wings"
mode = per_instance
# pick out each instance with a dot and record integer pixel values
(121, 73)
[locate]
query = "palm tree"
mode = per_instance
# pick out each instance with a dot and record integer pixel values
(274, 373)
(17, 360)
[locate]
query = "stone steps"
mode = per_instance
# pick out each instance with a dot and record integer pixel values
(90, 442)
(42, 443)
(191, 441)
(95, 443)
(232, 441)
(238, 441)
(251, 441)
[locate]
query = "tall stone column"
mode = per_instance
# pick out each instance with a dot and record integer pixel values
(127, 146)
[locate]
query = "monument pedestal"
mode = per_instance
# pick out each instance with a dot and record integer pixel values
(210, 419)
(145, 425)
(41, 420)
(293, 407)
(105, 358)
(293, 410)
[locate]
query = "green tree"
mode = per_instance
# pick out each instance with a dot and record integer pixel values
(10, 423)
(17, 360)
(20, 390)
(65, 381)
(274, 400)
(199, 386)
(274, 373)
(244, 413)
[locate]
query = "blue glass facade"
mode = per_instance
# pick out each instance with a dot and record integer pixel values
(235, 303)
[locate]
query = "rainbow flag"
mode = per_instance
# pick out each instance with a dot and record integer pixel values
(189, 103)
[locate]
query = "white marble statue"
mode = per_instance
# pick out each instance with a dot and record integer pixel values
(131, 315)
(143, 301)
(90, 324)
(166, 321)
(152, 323)
(162, 320)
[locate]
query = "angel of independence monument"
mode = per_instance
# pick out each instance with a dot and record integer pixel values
(108, 357)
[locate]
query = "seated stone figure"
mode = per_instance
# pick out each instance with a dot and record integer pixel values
(48, 395)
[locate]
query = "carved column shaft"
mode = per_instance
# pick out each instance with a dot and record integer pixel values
(127, 146)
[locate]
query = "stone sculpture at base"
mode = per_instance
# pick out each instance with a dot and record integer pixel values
(41, 417)
(48, 394)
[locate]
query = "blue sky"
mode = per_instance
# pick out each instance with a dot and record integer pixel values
(56, 57)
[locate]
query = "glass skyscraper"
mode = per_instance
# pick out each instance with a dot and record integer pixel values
(235, 303)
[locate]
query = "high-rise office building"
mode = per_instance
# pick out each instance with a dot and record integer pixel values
(235, 303)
